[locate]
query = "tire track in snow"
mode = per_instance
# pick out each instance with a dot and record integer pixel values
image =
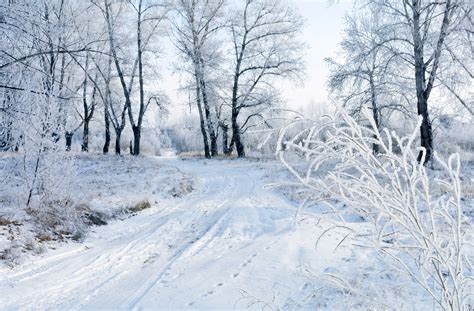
(137, 241)
(88, 277)
(187, 247)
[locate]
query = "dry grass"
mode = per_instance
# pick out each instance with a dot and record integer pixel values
(42, 237)
(468, 188)
(140, 206)
(184, 187)
(5, 222)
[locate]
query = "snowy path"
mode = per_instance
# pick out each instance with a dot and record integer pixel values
(229, 236)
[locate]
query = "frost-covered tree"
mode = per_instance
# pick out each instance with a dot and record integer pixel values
(265, 47)
(368, 74)
(419, 32)
(196, 28)
(146, 17)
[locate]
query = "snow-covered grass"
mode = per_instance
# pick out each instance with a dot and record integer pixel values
(103, 188)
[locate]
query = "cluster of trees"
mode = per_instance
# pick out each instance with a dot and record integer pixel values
(233, 52)
(405, 57)
(64, 63)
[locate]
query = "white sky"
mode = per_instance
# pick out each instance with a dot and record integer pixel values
(323, 32)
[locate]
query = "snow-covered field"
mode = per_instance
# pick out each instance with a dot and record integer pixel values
(232, 242)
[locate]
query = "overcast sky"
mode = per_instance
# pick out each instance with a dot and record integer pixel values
(323, 32)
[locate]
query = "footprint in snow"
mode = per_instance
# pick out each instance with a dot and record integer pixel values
(209, 292)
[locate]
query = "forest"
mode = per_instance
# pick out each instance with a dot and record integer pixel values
(169, 154)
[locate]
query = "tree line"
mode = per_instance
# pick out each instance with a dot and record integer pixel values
(65, 63)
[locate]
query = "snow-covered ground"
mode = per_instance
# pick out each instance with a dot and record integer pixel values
(230, 243)
(108, 187)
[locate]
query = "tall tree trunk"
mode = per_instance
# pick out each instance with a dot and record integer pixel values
(138, 127)
(86, 119)
(85, 136)
(225, 139)
(210, 123)
(136, 140)
(201, 117)
(107, 101)
(420, 83)
(424, 86)
(426, 131)
(236, 137)
(69, 140)
(105, 149)
(118, 134)
(375, 112)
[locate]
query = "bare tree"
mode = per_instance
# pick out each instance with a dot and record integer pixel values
(149, 16)
(265, 46)
(419, 31)
(195, 28)
(152, 13)
(368, 75)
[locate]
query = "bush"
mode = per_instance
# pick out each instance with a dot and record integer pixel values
(140, 206)
(57, 218)
(418, 232)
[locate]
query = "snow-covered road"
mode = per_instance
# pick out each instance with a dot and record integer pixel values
(226, 245)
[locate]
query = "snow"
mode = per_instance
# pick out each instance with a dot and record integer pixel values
(232, 242)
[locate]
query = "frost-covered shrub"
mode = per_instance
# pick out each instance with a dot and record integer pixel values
(416, 215)
(44, 174)
(49, 178)
(58, 217)
(140, 206)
